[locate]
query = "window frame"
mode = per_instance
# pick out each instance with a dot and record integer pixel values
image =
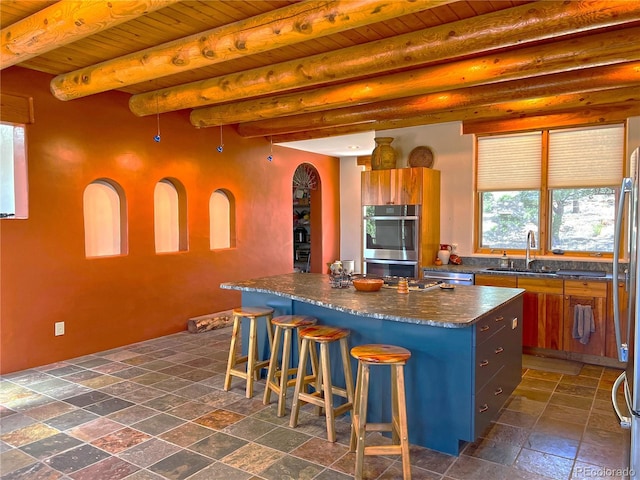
(545, 192)
(20, 181)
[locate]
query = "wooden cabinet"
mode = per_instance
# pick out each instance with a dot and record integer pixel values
(542, 307)
(594, 295)
(549, 308)
(543, 312)
(398, 186)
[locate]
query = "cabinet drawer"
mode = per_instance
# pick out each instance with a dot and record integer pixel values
(496, 280)
(490, 398)
(491, 324)
(492, 355)
(585, 288)
(541, 285)
(488, 402)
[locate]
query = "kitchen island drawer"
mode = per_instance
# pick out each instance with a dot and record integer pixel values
(503, 347)
(490, 399)
(492, 324)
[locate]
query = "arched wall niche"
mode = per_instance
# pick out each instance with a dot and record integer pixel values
(222, 220)
(170, 216)
(105, 219)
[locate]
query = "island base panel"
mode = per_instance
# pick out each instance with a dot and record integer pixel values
(439, 377)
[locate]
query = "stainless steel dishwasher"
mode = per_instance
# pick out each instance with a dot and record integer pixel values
(457, 278)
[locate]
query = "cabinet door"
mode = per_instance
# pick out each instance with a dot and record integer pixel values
(396, 186)
(376, 187)
(594, 295)
(542, 312)
(406, 186)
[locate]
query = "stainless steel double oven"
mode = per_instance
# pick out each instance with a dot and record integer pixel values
(391, 240)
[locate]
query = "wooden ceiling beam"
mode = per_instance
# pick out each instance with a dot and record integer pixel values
(533, 22)
(66, 22)
(285, 26)
(591, 115)
(589, 80)
(488, 121)
(569, 55)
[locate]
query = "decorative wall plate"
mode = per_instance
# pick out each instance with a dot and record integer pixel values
(421, 157)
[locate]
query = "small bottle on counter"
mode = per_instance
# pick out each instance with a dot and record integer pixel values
(403, 285)
(504, 260)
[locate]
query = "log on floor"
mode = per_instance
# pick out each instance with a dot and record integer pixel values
(204, 323)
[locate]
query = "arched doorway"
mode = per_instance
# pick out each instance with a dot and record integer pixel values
(307, 219)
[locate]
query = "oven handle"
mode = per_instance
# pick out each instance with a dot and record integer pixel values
(463, 280)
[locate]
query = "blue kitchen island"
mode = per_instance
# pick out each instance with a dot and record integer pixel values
(466, 346)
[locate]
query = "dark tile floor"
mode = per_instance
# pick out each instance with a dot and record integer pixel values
(156, 410)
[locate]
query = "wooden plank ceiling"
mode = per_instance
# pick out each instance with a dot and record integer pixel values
(312, 69)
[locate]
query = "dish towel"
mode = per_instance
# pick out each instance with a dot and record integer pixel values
(583, 323)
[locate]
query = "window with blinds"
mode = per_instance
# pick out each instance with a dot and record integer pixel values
(562, 184)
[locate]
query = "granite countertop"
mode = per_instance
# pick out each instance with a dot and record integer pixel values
(566, 270)
(460, 307)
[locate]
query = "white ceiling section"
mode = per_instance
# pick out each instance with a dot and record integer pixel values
(355, 145)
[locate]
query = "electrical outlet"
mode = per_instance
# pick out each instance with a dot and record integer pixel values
(59, 328)
(514, 323)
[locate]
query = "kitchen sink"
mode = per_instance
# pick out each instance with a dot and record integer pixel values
(536, 271)
(549, 271)
(583, 273)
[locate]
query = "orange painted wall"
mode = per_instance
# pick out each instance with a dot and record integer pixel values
(108, 302)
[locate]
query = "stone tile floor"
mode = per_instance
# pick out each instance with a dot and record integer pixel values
(156, 410)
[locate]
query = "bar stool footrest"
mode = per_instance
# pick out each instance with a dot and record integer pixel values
(383, 450)
(379, 427)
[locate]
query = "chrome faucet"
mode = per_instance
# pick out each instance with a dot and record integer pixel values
(531, 243)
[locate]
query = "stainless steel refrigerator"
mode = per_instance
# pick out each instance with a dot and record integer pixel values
(626, 315)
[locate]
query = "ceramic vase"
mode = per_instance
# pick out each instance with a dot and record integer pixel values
(383, 156)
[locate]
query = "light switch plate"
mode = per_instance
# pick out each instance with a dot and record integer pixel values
(514, 323)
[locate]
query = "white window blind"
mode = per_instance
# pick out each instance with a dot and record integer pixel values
(509, 162)
(586, 157)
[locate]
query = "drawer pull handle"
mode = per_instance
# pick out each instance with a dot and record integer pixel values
(484, 328)
(484, 363)
(483, 408)
(499, 350)
(498, 391)
(500, 318)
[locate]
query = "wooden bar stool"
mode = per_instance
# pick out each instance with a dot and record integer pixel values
(396, 357)
(278, 375)
(251, 359)
(323, 395)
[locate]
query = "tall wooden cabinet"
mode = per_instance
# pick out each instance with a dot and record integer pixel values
(409, 186)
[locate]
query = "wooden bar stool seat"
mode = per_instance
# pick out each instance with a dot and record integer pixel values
(325, 390)
(278, 375)
(396, 357)
(253, 364)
